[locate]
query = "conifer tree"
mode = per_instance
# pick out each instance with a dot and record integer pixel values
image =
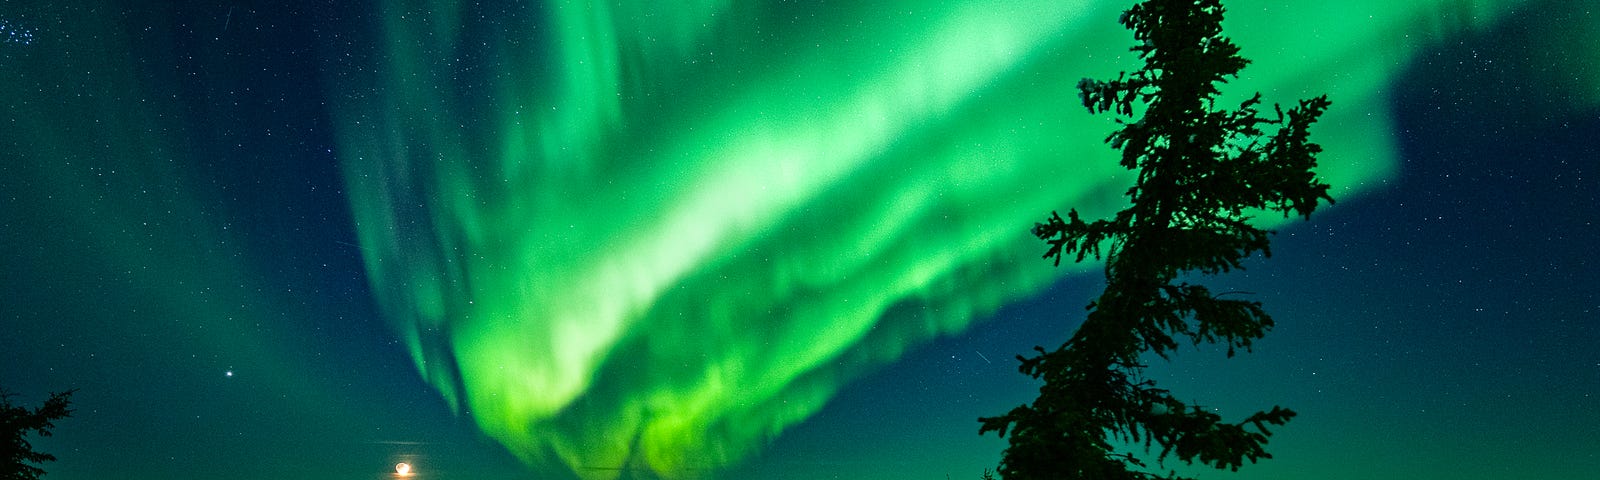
(17, 456)
(1201, 172)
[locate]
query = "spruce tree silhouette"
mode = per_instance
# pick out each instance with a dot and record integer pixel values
(1201, 173)
(16, 454)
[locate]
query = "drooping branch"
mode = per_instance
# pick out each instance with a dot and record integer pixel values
(1200, 173)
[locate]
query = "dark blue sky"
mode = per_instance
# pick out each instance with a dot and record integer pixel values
(1443, 325)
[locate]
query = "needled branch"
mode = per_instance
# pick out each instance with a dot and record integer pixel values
(1199, 171)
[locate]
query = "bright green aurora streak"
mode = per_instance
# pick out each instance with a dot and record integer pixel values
(656, 234)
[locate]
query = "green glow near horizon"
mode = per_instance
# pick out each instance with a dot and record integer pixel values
(104, 197)
(656, 237)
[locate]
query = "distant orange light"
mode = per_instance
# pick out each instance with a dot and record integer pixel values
(403, 469)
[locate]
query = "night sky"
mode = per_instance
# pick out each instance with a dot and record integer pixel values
(769, 240)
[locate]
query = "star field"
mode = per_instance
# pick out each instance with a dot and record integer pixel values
(759, 240)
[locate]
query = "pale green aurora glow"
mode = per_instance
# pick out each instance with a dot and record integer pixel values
(628, 234)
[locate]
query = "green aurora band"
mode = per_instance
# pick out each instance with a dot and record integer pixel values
(633, 235)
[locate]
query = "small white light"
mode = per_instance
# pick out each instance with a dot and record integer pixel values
(402, 468)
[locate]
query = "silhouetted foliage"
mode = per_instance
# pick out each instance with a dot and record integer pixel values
(1200, 174)
(17, 457)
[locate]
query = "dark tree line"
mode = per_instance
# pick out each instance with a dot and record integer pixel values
(17, 456)
(1201, 172)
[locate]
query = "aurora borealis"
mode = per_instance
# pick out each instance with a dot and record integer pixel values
(628, 239)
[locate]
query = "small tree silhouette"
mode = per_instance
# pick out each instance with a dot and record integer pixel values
(1200, 174)
(16, 454)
